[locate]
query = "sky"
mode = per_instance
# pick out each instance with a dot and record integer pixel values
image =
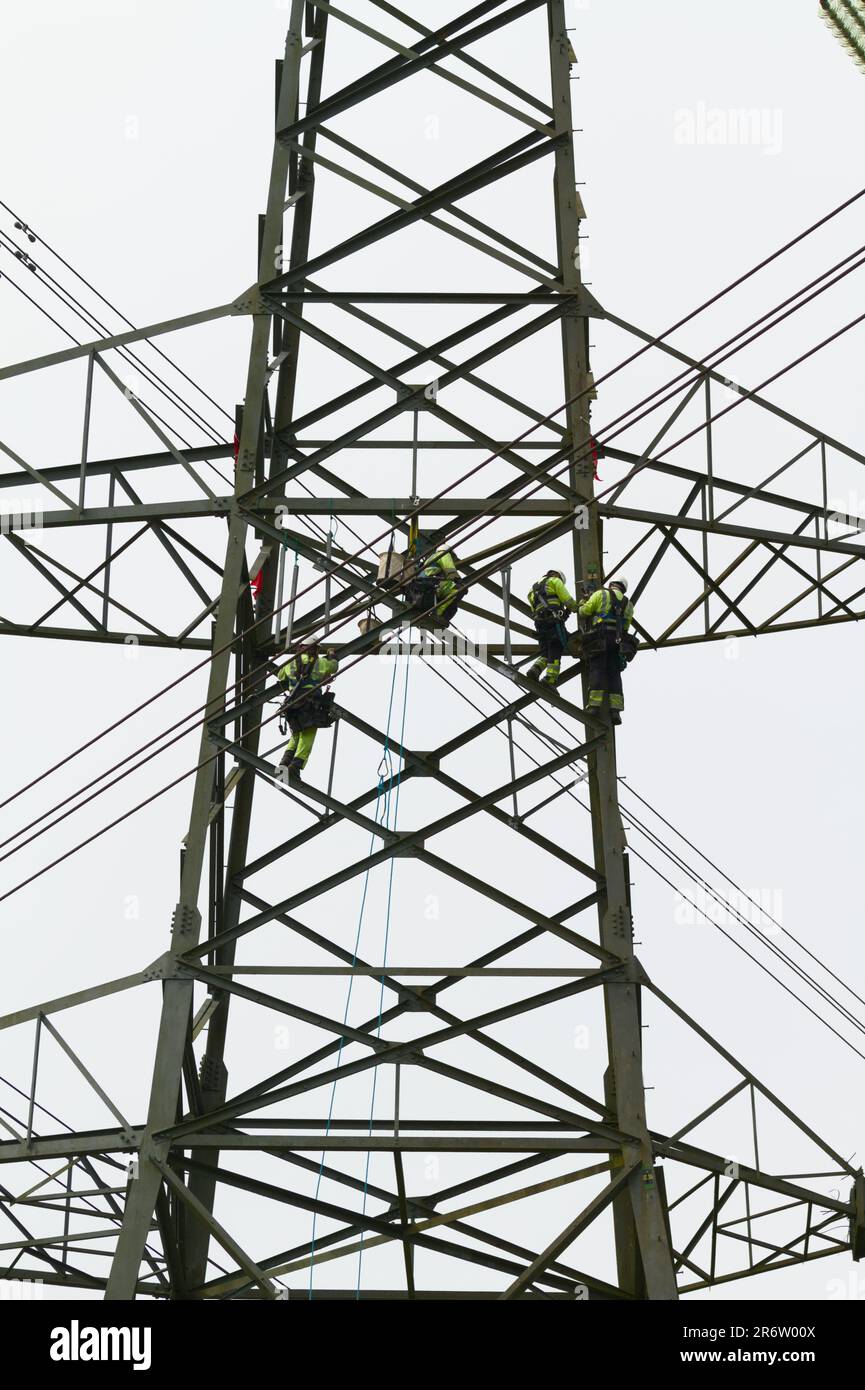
(140, 152)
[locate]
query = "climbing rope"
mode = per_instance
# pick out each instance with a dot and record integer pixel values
(385, 951)
(382, 807)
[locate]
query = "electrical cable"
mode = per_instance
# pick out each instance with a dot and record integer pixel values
(459, 588)
(126, 356)
(343, 566)
(29, 231)
(384, 958)
(695, 878)
(654, 342)
(733, 884)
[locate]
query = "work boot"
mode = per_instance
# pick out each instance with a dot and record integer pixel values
(286, 760)
(295, 768)
(615, 717)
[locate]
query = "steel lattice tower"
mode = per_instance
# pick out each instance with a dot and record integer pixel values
(206, 1164)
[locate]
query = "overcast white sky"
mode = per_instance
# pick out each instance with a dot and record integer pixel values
(139, 148)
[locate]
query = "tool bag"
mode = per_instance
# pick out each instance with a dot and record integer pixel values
(421, 592)
(315, 711)
(628, 644)
(591, 641)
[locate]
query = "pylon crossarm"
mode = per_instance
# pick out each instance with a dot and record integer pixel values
(760, 534)
(752, 396)
(123, 463)
(752, 1080)
(37, 476)
(45, 564)
(152, 424)
(134, 335)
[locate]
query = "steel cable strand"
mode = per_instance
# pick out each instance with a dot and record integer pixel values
(387, 924)
(126, 356)
(697, 879)
(459, 588)
(654, 342)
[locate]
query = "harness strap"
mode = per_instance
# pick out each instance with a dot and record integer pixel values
(543, 605)
(612, 614)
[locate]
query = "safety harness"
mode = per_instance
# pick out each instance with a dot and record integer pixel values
(613, 612)
(544, 609)
(610, 622)
(423, 591)
(433, 568)
(314, 708)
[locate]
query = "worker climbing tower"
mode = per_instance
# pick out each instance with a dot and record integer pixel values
(410, 920)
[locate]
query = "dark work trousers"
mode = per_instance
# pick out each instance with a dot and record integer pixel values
(605, 674)
(552, 642)
(551, 639)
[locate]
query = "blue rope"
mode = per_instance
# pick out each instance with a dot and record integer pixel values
(384, 957)
(384, 774)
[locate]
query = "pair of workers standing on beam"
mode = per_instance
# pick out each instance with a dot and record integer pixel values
(606, 642)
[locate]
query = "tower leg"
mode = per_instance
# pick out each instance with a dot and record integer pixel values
(644, 1257)
(214, 1075)
(186, 924)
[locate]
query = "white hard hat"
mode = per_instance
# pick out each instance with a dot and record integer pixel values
(619, 584)
(557, 574)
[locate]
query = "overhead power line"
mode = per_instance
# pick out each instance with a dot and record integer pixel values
(693, 875)
(337, 568)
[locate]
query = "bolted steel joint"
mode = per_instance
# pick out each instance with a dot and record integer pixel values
(185, 920)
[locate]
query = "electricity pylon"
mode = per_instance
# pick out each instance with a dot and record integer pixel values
(207, 1178)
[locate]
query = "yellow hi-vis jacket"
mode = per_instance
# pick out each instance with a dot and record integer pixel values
(599, 607)
(439, 565)
(304, 672)
(555, 593)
